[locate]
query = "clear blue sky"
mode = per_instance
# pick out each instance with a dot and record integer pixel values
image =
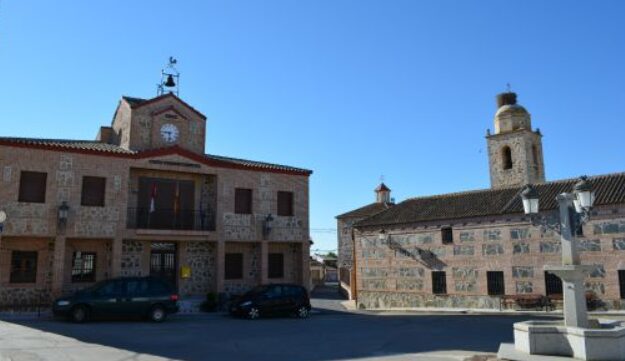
(350, 89)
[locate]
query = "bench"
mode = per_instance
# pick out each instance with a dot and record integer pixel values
(523, 301)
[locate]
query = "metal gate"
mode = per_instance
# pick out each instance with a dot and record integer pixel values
(163, 262)
(495, 283)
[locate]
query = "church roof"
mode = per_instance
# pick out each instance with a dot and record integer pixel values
(139, 102)
(366, 211)
(609, 189)
(98, 148)
(382, 187)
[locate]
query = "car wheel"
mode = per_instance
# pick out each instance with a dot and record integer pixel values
(157, 314)
(303, 312)
(253, 313)
(79, 314)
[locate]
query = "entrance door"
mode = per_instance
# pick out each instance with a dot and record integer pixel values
(163, 262)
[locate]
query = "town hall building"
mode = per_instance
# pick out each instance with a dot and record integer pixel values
(144, 199)
(478, 249)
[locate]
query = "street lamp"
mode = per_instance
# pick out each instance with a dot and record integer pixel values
(529, 195)
(584, 196)
(573, 212)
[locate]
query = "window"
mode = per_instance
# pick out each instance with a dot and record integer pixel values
(234, 266)
(553, 284)
(621, 282)
(275, 265)
(137, 287)
(506, 155)
(439, 283)
(93, 189)
(285, 204)
(23, 267)
(32, 187)
(109, 288)
(83, 267)
(447, 235)
(243, 201)
(495, 283)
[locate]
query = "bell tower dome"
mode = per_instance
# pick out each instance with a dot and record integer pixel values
(515, 152)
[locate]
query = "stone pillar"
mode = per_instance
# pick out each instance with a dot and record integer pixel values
(264, 262)
(570, 254)
(221, 266)
(572, 276)
(58, 268)
(305, 264)
(116, 256)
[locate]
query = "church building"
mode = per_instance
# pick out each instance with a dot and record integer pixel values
(144, 199)
(478, 249)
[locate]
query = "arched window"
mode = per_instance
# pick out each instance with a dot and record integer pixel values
(506, 154)
(535, 154)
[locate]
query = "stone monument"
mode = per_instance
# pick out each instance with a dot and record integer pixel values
(576, 336)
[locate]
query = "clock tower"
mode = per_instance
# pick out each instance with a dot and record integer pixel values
(164, 121)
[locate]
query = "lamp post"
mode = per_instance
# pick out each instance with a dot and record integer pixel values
(574, 211)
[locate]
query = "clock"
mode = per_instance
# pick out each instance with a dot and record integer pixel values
(169, 133)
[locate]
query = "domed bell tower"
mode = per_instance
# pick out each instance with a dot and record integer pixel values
(515, 152)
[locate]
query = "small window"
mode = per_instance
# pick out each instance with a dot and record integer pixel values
(621, 282)
(242, 201)
(506, 155)
(32, 187)
(285, 203)
(439, 282)
(275, 265)
(553, 284)
(234, 266)
(93, 189)
(83, 267)
(447, 235)
(23, 267)
(495, 283)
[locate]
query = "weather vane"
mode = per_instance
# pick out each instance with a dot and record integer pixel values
(170, 79)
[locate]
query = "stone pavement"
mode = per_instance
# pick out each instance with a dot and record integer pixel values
(20, 343)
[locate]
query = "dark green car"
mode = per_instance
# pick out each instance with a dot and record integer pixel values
(120, 297)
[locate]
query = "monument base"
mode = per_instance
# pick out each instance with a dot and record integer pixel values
(605, 342)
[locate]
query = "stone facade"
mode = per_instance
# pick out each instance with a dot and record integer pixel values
(399, 278)
(134, 148)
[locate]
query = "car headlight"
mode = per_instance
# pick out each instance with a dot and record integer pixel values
(246, 303)
(63, 303)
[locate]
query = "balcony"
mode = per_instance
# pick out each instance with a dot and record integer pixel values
(170, 219)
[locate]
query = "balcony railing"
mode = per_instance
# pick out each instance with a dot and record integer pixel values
(170, 219)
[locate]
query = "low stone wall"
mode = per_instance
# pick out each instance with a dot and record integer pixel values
(389, 300)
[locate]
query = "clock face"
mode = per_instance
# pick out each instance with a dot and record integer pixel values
(169, 132)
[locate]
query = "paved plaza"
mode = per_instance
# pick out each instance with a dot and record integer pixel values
(329, 334)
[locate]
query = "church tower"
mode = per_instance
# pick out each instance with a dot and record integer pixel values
(515, 152)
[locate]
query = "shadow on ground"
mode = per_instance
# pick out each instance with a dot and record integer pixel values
(330, 334)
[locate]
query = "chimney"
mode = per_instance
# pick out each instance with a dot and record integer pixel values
(105, 135)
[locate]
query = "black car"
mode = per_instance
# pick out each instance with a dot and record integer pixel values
(126, 297)
(272, 299)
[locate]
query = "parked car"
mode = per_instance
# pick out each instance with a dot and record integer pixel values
(133, 296)
(272, 299)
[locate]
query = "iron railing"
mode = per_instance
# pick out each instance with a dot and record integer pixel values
(170, 219)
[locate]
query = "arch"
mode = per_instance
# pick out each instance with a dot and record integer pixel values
(506, 157)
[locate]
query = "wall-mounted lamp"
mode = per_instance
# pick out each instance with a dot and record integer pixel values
(267, 225)
(63, 214)
(3, 217)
